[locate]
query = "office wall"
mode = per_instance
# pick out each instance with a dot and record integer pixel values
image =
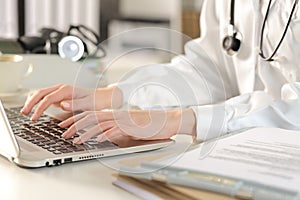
(51, 13)
(8, 19)
(60, 14)
(154, 9)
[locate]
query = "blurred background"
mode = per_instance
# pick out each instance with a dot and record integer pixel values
(37, 27)
(105, 17)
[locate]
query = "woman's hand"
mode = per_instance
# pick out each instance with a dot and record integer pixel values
(137, 124)
(71, 98)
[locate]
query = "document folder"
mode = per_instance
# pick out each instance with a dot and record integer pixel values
(155, 190)
(260, 163)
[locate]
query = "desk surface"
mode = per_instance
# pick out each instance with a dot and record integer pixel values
(88, 179)
(79, 180)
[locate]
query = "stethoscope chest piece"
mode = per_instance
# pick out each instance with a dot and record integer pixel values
(232, 43)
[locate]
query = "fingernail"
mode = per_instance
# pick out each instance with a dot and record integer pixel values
(33, 117)
(76, 140)
(65, 105)
(60, 124)
(22, 111)
(64, 134)
(100, 138)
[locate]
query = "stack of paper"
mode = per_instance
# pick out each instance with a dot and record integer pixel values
(154, 190)
(261, 163)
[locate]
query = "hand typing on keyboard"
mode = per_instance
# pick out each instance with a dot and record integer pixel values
(70, 98)
(97, 120)
(137, 124)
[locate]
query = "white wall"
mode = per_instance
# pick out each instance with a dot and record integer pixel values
(8, 19)
(60, 14)
(48, 13)
(153, 9)
(149, 8)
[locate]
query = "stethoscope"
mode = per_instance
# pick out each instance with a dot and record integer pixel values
(232, 42)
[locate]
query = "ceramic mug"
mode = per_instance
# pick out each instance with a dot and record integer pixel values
(13, 70)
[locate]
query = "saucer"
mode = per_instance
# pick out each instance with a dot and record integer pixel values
(13, 95)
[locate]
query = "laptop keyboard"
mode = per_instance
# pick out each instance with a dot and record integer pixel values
(47, 134)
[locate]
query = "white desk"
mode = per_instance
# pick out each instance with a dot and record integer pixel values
(81, 180)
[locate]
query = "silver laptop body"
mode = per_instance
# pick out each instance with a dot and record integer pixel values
(26, 153)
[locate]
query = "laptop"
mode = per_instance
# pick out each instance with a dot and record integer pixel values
(40, 144)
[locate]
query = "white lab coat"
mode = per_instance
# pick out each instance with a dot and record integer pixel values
(229, 93)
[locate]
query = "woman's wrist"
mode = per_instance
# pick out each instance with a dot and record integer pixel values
(189, 122)
(183, 122)
(108, 98)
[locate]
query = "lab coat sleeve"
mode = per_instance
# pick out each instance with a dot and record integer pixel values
(246, 111)
(190, 79)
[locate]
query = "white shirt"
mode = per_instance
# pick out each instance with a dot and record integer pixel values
(229, 93)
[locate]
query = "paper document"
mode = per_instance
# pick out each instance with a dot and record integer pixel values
(267, 156)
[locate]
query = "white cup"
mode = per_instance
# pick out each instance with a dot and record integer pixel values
(13, 70)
